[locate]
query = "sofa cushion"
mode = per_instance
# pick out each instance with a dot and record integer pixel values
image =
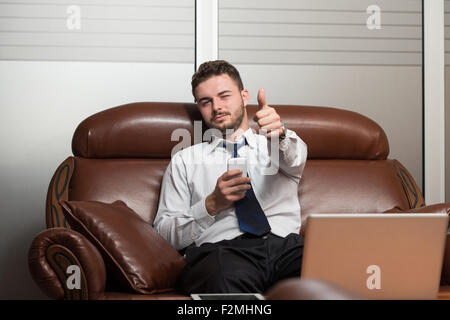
(135, 181)
(136, 255)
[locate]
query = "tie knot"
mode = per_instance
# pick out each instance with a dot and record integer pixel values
(233, 147)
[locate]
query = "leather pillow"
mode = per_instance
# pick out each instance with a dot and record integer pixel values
(136, 255)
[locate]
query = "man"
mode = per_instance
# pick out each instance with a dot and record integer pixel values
(241, 233)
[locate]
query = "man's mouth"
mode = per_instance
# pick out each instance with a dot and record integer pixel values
(220, 117)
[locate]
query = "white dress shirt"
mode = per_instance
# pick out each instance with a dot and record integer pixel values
(192, 175)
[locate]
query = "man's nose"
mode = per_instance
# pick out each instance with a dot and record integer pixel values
(216, 104)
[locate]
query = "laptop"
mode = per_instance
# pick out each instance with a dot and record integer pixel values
(377, 256)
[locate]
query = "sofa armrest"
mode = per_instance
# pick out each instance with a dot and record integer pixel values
(49, 257)
(435, 208)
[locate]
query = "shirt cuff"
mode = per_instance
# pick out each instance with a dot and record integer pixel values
(201, 215)
(284, 143)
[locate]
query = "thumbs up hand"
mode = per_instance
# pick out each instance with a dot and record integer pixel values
(267, 117)
(262, 98)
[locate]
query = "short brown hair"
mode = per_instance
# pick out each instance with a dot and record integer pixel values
(215, 68)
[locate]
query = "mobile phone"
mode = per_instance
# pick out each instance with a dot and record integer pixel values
(238, 163)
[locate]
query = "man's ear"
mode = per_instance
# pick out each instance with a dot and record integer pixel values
(245, 97)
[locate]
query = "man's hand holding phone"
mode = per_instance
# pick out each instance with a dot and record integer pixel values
(230, 187)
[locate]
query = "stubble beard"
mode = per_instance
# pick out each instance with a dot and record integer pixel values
(233, 126)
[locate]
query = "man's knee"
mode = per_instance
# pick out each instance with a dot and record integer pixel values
(220, 271)
(205, 274)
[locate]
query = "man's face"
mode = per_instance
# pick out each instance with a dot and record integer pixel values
(221, 103)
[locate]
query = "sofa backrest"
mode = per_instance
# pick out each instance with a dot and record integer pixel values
(121, 154)
(152, 130)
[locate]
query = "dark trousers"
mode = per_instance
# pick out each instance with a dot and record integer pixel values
(244, 264)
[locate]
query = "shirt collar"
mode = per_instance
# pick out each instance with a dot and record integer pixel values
(249, 135)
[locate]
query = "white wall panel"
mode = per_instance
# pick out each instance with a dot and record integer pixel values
(114, 30)
(320, 32)
(447, 98)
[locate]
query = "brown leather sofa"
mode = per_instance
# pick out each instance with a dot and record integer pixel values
(121, 154)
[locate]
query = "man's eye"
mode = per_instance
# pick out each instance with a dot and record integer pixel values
(225, 96)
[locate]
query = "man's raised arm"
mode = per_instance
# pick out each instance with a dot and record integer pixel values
(291, 152)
